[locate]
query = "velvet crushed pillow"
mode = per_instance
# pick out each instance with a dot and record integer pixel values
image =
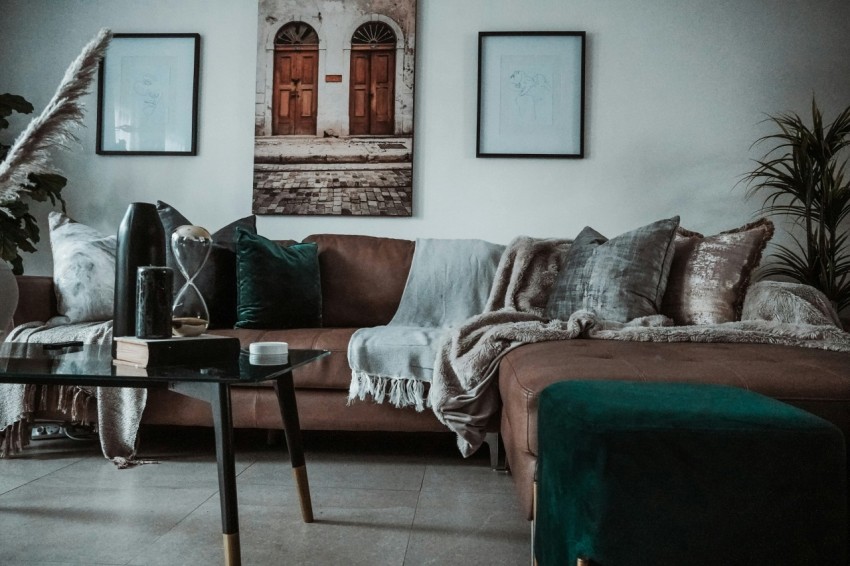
(619, 279)
(710, 274)
(278, 287)
(217, 280)
(83, 269)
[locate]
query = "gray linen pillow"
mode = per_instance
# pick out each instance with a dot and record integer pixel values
(619, 279)
(83, 269)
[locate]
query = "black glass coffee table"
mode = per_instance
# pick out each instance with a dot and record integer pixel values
(210, 382)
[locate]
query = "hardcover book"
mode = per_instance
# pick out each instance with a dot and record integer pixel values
(206, 348)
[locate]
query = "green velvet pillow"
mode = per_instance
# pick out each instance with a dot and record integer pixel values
(619, 279)
(278, 287)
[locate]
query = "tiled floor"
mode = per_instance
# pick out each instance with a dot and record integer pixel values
(378, 499)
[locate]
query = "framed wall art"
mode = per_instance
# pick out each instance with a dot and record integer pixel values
(147, 101)
(333, 119)
(531, 94)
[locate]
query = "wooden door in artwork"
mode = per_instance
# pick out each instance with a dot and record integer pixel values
(372, 81)
(296, 79)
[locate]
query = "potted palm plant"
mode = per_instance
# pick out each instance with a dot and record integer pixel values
(802, 178)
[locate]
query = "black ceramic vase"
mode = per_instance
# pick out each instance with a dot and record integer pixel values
(141, 242)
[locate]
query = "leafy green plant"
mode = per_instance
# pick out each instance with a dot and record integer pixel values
(18, 228)
(803, 178)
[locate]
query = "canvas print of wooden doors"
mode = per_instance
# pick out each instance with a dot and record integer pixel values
(334, 108)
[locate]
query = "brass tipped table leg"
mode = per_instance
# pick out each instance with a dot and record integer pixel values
(300, 475)
(218, 396)
(285, 391)
(223, 425)
(232, 553)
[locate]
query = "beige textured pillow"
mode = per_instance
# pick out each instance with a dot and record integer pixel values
(710, 274)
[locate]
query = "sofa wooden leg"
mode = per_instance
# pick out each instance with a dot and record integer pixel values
(494, 443)
(273, 437)
(533, 520)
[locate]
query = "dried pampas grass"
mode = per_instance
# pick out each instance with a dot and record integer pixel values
(30, 152)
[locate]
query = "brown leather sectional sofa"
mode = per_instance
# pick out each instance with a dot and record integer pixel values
(362, 282)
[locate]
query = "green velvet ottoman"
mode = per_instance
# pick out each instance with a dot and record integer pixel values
(681, 474)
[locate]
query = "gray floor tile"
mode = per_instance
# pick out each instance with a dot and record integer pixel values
(468, 529)
(369, 527)
(173, 470)
(394, 499)
(340, 471)
(44, 522)
(40, 459)
(465, 476)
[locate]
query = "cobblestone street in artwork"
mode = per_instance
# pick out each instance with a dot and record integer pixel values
(322, 176)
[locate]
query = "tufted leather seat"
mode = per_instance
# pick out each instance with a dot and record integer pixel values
(814, 380)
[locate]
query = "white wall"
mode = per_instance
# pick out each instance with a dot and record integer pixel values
(676, 91)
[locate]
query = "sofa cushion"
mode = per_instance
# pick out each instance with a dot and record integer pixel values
(83, 269)
(618, 279)
(710, 274)
(217, 281)
(278, 287)
(362, 278)
(813, 380)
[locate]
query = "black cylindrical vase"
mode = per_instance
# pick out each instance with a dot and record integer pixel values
(141, 241)
(154, 293)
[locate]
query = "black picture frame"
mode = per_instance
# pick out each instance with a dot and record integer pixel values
(531, 94)
(147, 95)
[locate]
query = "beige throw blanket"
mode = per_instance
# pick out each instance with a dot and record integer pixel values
(118, 409)
(465, 397)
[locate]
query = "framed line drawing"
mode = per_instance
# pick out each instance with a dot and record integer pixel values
(147, 95)
(531, 94)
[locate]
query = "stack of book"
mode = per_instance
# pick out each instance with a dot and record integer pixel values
(206, 349)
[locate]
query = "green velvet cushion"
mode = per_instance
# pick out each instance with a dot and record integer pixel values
(278, 287)
(619, 279)
(651, 473)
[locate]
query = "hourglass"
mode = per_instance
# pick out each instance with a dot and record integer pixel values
(189, 314)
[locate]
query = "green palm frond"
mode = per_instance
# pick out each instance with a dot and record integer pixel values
(802, 178)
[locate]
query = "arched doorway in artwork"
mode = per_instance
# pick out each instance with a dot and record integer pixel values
(371, 107)
(296, 80)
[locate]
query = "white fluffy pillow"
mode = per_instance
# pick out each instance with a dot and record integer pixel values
(83, 269)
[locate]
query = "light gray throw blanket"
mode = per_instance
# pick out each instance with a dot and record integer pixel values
(119, 409)
(449, 281)
(464, 394)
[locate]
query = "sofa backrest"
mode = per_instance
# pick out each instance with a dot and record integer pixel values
(362, 278)
(37, 300)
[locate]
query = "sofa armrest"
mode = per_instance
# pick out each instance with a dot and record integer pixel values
(37, 301)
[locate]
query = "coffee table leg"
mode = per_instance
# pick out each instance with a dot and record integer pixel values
(223, 425)
(285, 390)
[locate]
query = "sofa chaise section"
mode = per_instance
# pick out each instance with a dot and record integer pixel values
(817, 381)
